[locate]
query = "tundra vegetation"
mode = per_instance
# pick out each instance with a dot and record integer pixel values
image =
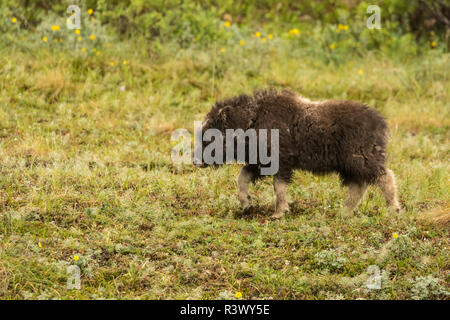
(86, 176)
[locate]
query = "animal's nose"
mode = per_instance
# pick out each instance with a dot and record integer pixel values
(197, 163)
(200, 165)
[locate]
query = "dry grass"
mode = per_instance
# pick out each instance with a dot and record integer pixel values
(439, 217)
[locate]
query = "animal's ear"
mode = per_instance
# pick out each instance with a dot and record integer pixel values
(224, 113)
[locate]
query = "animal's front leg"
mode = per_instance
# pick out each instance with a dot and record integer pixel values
(355, 193)
(282, 205)
(245, 177)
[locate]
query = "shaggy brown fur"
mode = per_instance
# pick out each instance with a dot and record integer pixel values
(346, 137)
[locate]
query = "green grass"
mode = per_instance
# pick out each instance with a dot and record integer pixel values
(85, 170)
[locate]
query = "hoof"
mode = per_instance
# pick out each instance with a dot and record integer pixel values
(346, 212)
(247, 209)
(277, 215)
(395, 210)
(246, 202)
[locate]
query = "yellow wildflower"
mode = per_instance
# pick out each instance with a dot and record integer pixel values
(14, 20)
(332, 46)
(83, 49)
(395, 235)
(294, 31)
(433, 44)
(39, 244)
(92, 37)
(112, 63)
(75, 257)
(227, 24)
(238, 295)
(360, 71)
(77, 31)
(345, 27)
(242, 42)
(90, 11)
(270, 36)
(222, 50)
(44, 39)
(257, 34)
(263, 39)
(55, 28)
(125, 61)
(79, 38)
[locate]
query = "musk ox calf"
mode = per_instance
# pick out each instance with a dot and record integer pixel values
(346, 137)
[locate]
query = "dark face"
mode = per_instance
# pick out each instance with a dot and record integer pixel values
(217, 119)
(213, 121)
(234, 115)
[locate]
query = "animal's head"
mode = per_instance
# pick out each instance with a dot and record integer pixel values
(234, 113)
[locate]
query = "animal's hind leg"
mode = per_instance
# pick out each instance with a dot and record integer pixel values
(355, 193)
(387, 184)
(246, 175)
